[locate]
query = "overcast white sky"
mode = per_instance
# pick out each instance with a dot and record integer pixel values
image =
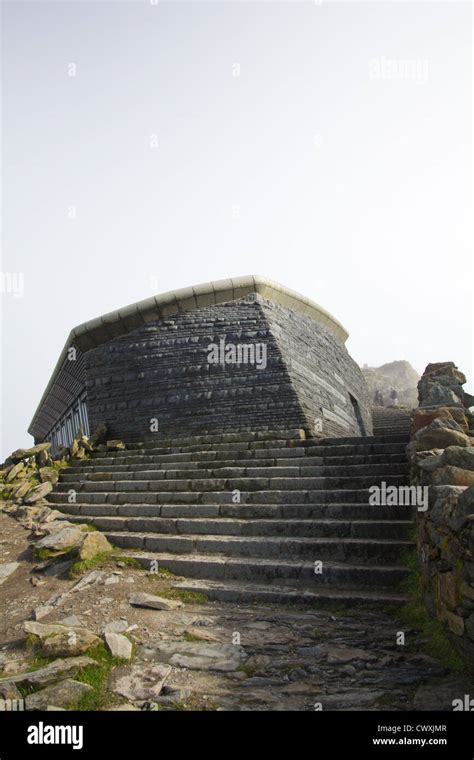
(328, 162)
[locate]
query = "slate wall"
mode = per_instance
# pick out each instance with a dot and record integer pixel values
(161, 371)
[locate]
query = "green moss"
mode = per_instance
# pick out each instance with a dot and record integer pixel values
(88, 528)
(188, 597)
(85, 565)
(101, 559)
(415, 615)
(43, 553)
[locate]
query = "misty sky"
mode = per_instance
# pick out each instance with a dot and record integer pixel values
(147, 147)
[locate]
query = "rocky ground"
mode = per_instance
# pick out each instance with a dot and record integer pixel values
(194, 653)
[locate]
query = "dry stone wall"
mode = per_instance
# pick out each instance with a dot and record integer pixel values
(442, 459)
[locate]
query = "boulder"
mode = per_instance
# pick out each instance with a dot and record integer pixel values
(440, 395)
(465, 506)
(48, 475)
(438, 438)
(62, 540)
(455, 476)
(459, 456)
(21, 454)
(93, 544)
(420, 418)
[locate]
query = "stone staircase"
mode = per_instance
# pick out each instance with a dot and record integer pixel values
(301, 502)
(389, 419)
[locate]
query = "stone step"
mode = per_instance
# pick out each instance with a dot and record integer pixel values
(276, 592)
(359, 550)
(203, 485)
(238, 436)
(186, 462)
(116, 473)
(382, 529)
(262, 445)
(284, 496)
(361, 511)
(320, 450)
(254, 569)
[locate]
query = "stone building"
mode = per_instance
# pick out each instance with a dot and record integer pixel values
(243, 354)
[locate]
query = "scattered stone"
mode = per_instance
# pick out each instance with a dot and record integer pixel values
(65, 695)
(118, 645)
(196, 656)
(63, 540)
(73, 621)
(344, 655)
(6, 570)
(37, 493)
(141, 599)
(69, 643)
(115, 445)
(50, 672)
(42, 611)
(198, 633)
(139, 681)
(116, 626)
(15, 472)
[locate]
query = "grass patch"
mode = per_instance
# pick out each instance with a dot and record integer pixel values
(97, 676)
(83, 566)
(415, 615)
(101, 559)
(188, 597)
(43, 553)
(129, 562)
(88, 528)
(163, 572)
